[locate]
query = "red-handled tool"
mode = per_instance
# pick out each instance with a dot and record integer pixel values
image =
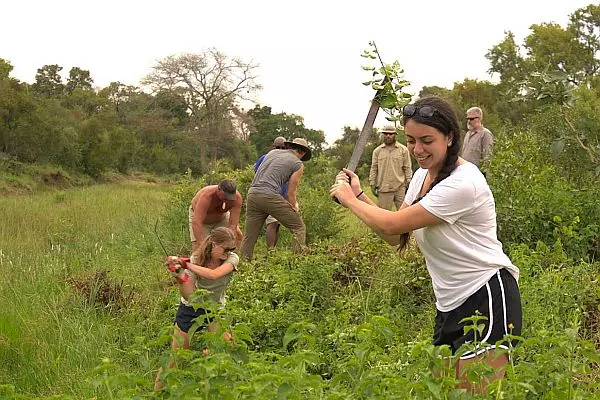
(176, 265)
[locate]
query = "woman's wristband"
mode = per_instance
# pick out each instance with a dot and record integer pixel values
(360, 194)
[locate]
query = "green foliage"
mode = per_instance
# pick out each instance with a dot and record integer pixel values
(266, 126)
(343, 147)
(505, 59)
(321, 217)
(572, 50)
(122, 128)
(79, 79)
(326, 353)
(19, 178)
(344, 320)
(211, 84)
(472, 92)
(48, 81)
(389, 84)
(348, 318)
(532, 200)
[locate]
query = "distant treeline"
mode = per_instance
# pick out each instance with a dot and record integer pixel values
(186, 115)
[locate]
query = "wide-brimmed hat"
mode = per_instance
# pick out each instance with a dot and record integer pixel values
(301, 144)
(389, 129)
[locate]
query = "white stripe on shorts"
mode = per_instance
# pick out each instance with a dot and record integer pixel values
(479, 349)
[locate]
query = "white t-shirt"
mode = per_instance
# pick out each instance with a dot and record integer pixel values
(463, 252)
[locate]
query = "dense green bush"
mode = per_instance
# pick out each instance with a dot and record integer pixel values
(322, 216)
(535, 203)
(555, 128)
(325, 325)
(346, 319)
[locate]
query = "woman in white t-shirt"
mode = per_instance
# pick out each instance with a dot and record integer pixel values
(211, 268)
(451, 211)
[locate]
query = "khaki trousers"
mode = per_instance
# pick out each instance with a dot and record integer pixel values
(388, 199)
(261, 205)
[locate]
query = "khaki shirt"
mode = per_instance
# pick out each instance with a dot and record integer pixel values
(390, 167)
(478, 146)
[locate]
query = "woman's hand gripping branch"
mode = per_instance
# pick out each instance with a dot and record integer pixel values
(176, 266)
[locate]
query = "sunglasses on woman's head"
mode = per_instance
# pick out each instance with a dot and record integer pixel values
(228, 249)
(410, 110)
(279, 147)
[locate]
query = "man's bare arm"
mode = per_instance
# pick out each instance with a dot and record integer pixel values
(234, 217)
(236, 210)
(293, 186)
(200, 207)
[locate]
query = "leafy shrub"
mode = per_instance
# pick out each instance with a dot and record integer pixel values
(322, 216)
(294, 333)
(532, 200)
(290, 285)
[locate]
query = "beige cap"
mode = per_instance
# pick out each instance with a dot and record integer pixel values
(279, 141)
(389, 129)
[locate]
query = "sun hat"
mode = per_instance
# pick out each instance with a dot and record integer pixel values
(302, 144)
(389, 129)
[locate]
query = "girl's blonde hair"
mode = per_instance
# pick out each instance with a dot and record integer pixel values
(219, 236)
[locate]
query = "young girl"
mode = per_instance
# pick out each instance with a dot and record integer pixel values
(450, 208)
(211, 268)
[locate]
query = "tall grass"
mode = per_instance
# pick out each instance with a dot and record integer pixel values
(346, 319)
(51, 333)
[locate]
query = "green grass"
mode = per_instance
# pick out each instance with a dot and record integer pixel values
(51, 335)
(347, 319)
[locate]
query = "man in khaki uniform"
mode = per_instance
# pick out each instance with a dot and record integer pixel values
(479, 141)
(391, 170)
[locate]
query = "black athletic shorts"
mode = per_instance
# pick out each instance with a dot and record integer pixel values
(498, 300)
(186, 315)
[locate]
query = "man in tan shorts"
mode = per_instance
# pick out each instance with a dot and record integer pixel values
(214, 206)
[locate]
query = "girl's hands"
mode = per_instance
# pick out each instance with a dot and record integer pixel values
(176, 265)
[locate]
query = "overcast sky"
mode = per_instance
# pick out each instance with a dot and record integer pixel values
(308, 51)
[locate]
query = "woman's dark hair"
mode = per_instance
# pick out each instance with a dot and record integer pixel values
(443, 119)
